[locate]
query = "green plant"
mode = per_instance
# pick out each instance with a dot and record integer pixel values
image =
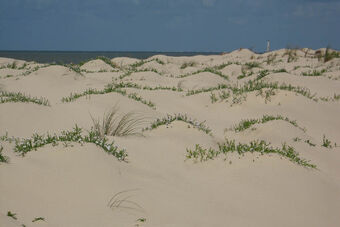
(326, 142)
(229, 146)
(179, 117)
(213, 97)
(245, 124)
(188, 64)
(314, 73)
(254, 64)
(280, 71)
(296, 139)
(114, 125)
(262, 74)
(310, 143)
(3, 158)
(271, 58)
(20, 97)
(38, 219)
(329, 55)
(12, 215)
(107, 61)
(23, 146)
(292, 55)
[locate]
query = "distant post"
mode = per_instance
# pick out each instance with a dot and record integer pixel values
(268, 45)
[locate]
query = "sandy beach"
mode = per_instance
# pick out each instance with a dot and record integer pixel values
(237, 139)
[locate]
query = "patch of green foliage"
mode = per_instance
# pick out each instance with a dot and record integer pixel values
(230, 146)
(3, 158)
(314, 73)
(179, 117)
(245, 124)
(23, 146)
(20, 97)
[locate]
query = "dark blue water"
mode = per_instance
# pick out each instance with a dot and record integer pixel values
(66, 57)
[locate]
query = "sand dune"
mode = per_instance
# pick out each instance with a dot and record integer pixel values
(177, 172)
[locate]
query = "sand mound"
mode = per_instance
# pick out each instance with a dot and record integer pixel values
(96, 65)
(175, 173)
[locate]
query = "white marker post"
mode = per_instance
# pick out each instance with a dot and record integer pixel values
(268, 45)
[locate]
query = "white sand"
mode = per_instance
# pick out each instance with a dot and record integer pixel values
(72, 186)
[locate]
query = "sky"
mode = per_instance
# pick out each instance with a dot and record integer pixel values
(168, 25)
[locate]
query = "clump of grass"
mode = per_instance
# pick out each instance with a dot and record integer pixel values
(271, 58)
(114, 125)
(296, 139)
(188, 64)
(74, 68)
(245, 124)
(179, 117)
(108, 89)
(12, 215)
(326, 142)
(266, 94)
(334, 98)
(218, 87)
(280, 71)
(310, 143)
(262, 74)
(120, 200)
(12, 66)
(38, 219)
(20, 97)
(229, 146)
(138, 98)
(329, 55)
(292, 55)
(314, 73)
(213, 97)
(211, 70)
(23, 146)
(3, 158)
(107, 61)
(254, 64)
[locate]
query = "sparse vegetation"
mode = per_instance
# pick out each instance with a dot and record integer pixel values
(291, 53)
(262, 147)
(3, 158)
(179, 117)
(20, 97)
(12, 215)
(108, 89)
(314, 73)
(188, 64)
(329, 55)
(23, 146)
(38, 219)
(245, 124)
(326, 142)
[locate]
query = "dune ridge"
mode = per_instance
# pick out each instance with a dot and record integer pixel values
(237, 139)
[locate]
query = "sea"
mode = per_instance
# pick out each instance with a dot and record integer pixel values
(76, 57)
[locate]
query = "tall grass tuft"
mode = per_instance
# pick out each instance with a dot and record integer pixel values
(114, 125)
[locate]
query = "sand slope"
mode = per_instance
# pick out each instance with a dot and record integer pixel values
(81, 185)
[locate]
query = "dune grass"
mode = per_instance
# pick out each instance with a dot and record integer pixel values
(179, 117)
(245, 124)
(3, 159)
(108, 89)
(314, 73)
(21, 97)
(262, 147)
(23, 146)
(113, 124)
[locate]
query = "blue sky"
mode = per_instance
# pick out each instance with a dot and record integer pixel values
(168, 25)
